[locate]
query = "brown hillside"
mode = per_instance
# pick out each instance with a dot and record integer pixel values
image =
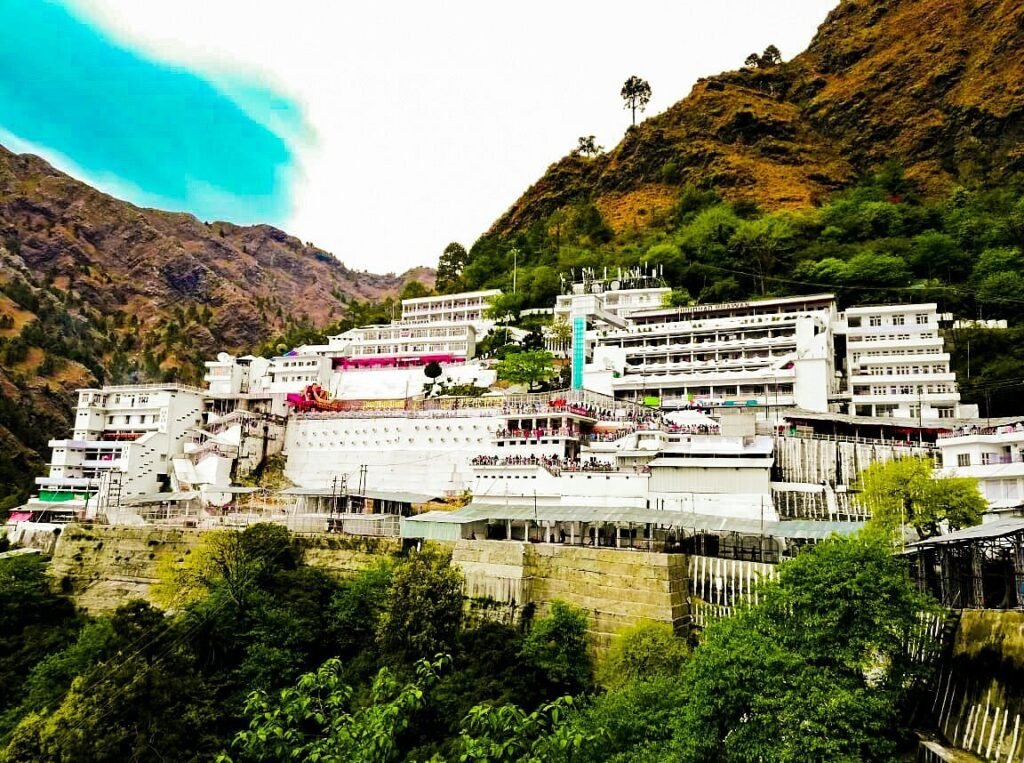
(90, 284)
(934, 84)
(119, 257)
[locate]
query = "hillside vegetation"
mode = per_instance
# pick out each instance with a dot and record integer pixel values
(95, 290)
(884, 164)
(934, 85)
(261, 657)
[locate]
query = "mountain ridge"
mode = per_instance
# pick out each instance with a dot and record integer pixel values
(94, 289)
(934, 85)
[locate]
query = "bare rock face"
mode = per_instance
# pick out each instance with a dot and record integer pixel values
(935, 85)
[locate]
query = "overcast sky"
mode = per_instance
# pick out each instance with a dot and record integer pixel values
(380, 131)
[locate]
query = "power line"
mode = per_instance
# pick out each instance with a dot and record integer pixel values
(832, 286)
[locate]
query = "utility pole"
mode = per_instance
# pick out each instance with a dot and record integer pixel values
(515, 267)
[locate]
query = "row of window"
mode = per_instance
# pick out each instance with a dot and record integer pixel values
(921, 319)
(936, 368)
(888, 352)
(422, 333)
(394, 349)
(903, 389)
(895, 337)
(676, 341)
(143, 418)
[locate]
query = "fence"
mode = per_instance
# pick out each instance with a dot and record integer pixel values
(717, 585)
(367, 525)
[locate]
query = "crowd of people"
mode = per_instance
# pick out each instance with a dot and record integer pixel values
(537, 433)
(974, 429)
(554, 464)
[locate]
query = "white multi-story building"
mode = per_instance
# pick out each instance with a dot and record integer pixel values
(405, 343)
(614, 299)
(992, 455)
(124, 439)
(228, 375)
(896, 364)
(467, 307)
(293, 373)
(774, 352)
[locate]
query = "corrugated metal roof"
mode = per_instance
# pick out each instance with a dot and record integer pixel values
(806, 529)
(444, 517)
(325, 492)
(376, 495)
(998, 529)
(187, 495)
(396, 495)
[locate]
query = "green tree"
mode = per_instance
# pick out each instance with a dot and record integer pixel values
(636, 93)
(453, 261)
(816, 670)
(642, 652)
(234, 562)
(531, 368)
(148, 704)
(764, 242)
(34, 623)
(587, 146)
(509, 734)
(934, 253)
(422, 611)
(556, 645)
(356, 607)
(906, 492)
(317, 720)
(413, 289)
(505, 308)
(678, 297)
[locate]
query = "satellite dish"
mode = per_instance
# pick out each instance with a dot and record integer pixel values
(223, 357)
(615, 285)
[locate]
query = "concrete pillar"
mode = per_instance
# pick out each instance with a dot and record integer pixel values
(618, 536)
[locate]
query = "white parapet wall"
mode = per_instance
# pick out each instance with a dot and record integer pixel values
(425, 455)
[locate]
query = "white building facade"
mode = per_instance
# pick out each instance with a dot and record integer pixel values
(896, 363)
(465, 307)
(992, 455)
(124, 439)
(772, 353)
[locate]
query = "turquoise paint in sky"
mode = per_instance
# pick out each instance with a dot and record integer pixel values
(162, 135)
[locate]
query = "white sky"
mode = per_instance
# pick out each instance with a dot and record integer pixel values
(430, 118)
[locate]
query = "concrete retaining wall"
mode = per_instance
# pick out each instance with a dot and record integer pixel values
(102, 566)
(617, 588)
(813, 460)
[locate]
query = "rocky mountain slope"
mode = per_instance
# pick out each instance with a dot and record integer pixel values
(95, 289)
(935, 85)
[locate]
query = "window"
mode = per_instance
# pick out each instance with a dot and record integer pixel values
(898, 320)
(921, 319)
(875, 320)
(963, 459)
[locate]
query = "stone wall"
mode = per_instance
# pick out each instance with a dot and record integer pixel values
(103, 566)
(617, 588)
